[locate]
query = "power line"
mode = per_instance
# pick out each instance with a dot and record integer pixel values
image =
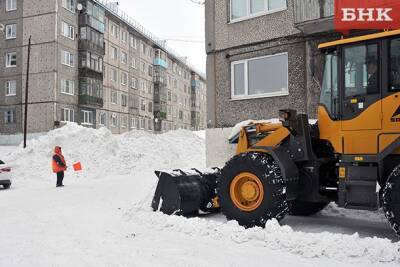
(197, 2)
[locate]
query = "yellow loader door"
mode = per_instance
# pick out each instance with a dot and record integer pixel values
(361, 98)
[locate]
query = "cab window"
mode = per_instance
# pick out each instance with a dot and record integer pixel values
(394, 65)
(361, 70)
(330, 93)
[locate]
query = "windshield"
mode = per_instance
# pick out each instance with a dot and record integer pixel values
(329, 93)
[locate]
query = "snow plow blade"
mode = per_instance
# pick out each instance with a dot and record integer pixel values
(186, 192)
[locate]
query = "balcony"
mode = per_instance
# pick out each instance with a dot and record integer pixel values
(314, 16)
(90, 46)
(90, 73)
(160, 62)
(88, 100)
(86, 19)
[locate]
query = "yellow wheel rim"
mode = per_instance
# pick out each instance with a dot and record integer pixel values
(246, 191)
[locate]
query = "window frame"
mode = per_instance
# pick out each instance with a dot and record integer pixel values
(8, 37)
(255, 15)
(246, 80)
(102, 116)
(8, 8)
(63, 86)
(70, 56)
(9, 60)
(7, 86)
(70, 112)
(71, 30)
(72, 4)
(90, 117)
(12, 116)
(114, 116)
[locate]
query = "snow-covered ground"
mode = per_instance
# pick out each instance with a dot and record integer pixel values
(102, 216)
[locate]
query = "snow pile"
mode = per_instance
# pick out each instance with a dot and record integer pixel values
(338, 247)
(102, 153)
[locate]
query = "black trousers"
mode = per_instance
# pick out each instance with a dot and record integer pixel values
(60, 177)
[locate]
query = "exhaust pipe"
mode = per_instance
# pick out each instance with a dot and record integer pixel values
(186, 192)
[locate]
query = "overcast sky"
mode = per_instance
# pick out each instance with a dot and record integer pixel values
(172, 19)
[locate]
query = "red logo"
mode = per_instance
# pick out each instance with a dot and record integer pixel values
(371, 14)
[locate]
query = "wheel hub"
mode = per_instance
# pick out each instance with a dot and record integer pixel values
(246, 191)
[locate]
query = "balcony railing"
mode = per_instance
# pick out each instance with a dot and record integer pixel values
(160, 62)
(90, 46)
(313, 16)
(90, 73)
(88, 100)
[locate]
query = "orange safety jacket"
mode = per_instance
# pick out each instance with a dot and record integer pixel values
(55, 165)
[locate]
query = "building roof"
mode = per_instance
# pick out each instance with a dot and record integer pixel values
(113, 8)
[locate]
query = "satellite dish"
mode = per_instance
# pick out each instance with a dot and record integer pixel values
(1, 27)
(79, 7)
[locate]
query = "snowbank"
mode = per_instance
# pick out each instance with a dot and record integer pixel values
(338, 247)
(102, 153)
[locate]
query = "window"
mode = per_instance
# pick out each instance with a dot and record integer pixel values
(361, 70)
(124, 58)
(133, 63)
(114, 120)
(143, 105)
(11, 31)
(114, 30)
(150, 108)
(142, 123)
(102, 120)
(394, 65)
(133, 42)
(11, 60)
(124, 100)
(91, 60)
(114, 75)
(67, 87)
(143, 48)
(143, 67)
(69, 5)
(11, 5)
(180, 114)
(123, 37)
(67, 115)
(124, 121)
(87, 117)
(68, 30)
(67, 58)
(9, 116)
(133, 83)
(134, 123)
(124, 78)
(114, 52)
(330, 93)
(11, 88)
(260, 77)
(150, 70)
(242, 9)
(114, 97)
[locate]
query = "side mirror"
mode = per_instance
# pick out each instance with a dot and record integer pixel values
(1, 162)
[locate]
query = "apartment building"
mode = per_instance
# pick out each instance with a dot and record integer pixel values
(93, 65)
(262, 56)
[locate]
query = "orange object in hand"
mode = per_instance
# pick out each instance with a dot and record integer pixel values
(77, 166)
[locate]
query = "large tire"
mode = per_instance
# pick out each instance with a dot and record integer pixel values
(273, 203)
(391, 200)
(304, 208)
(6, 186)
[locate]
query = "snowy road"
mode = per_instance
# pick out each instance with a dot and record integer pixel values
(104, 219)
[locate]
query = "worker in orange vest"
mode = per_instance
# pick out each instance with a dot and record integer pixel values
(59, 165)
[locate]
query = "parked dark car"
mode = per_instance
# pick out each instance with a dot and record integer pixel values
(5, 175)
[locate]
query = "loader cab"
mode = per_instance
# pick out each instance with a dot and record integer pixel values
(360, 92)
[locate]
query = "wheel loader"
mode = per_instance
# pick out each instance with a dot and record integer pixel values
(350, 156)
